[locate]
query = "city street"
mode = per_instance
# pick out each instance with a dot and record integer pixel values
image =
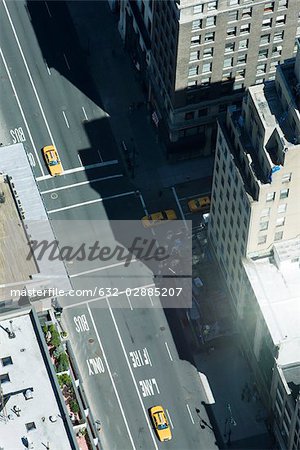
(123, 345)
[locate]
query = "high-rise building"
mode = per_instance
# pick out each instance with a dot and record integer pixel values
(254, 229)
(201, 54)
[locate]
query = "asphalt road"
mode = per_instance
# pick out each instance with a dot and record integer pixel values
(123, 345)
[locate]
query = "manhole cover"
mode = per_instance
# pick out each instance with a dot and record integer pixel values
(54, 196)
(91, 340)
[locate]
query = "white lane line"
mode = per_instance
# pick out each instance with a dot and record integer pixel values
(82, 183)
(151, 300)
(98, 269)
(48, 70)
(170, 421)
(48, 9)
(129, 302)
(66, 120)
(168, 350)
(85, 114)
(86, 302)
(90, 202)
(111, 378)
(98, 151)
(67, 62)
(80, 162)
(143, 203)
(81, 169)
(132, 376)
(29, 74)
(21, 110)
(179, 207)
(189, 411)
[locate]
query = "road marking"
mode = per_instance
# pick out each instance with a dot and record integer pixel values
(82, 183)
(85, 302)
(132, 376)
(29, 74)
(143, 203)
(98, 151)
(85, 114)
(170, 421)
(80, 162)
(168, 350)
(67, 63)
(98, 269)
(21, 110)
(66, 120)
(48, 9)
(111, 378)
(48, 70)
(129, 302)
(151, 300)
(189, 411)
(89, 202)
(80, 169)
(179, 207)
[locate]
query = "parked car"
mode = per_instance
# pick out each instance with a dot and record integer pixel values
(52, 160)
(158, 218)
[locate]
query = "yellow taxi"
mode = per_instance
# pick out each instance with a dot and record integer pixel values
(160, 423)
(158, 218)
(52, 160)
(199, 204)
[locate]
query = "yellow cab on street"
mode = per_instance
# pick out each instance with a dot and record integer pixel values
(160, 423)
(158, 218)
(52, 160)
(199, 204)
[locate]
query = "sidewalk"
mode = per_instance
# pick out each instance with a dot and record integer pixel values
(119, 87)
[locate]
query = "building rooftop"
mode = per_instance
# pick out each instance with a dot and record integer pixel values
(37, 420)
(278, 296)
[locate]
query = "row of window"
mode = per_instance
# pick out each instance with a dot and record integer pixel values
(213, 5)
(263, 239)
(210, 21)
(232, 31)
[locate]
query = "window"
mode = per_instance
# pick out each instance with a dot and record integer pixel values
(4, 378)
(196, 24)
(265, 39)
(286, 178)
(208, 52)
(261, 69)
(265, 212)
(194, 56)
(246, 13)
(280, 20)
(233, 2)
(202, 112)
(198, 9)
(205, 81)
(282, 208)
(280, 221)
(232, 16)
(263, 226)
(30, 426)
(262, 239)
(6, 361)
(231, 31)
(241, 59)
(228, 62)
(212, 5)
(262, 54)
(240, 73)
(193, 71)
(278, 236)
(278, 36)
(270, 197)
(269, 7)
(211, 21)
(227, 76)
(209, 37)
(267, 23)
(243, 44)
(229, 47)
(282, 4)
(245, 28)
(276, 50)
(189, 115)
(273, 65)
(284, 193)
(195, 40)
(206, 67)
(192, 84)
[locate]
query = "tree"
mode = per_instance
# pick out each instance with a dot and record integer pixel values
(74, 407)
(55, 338)
(64, 380)
(62, 362)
